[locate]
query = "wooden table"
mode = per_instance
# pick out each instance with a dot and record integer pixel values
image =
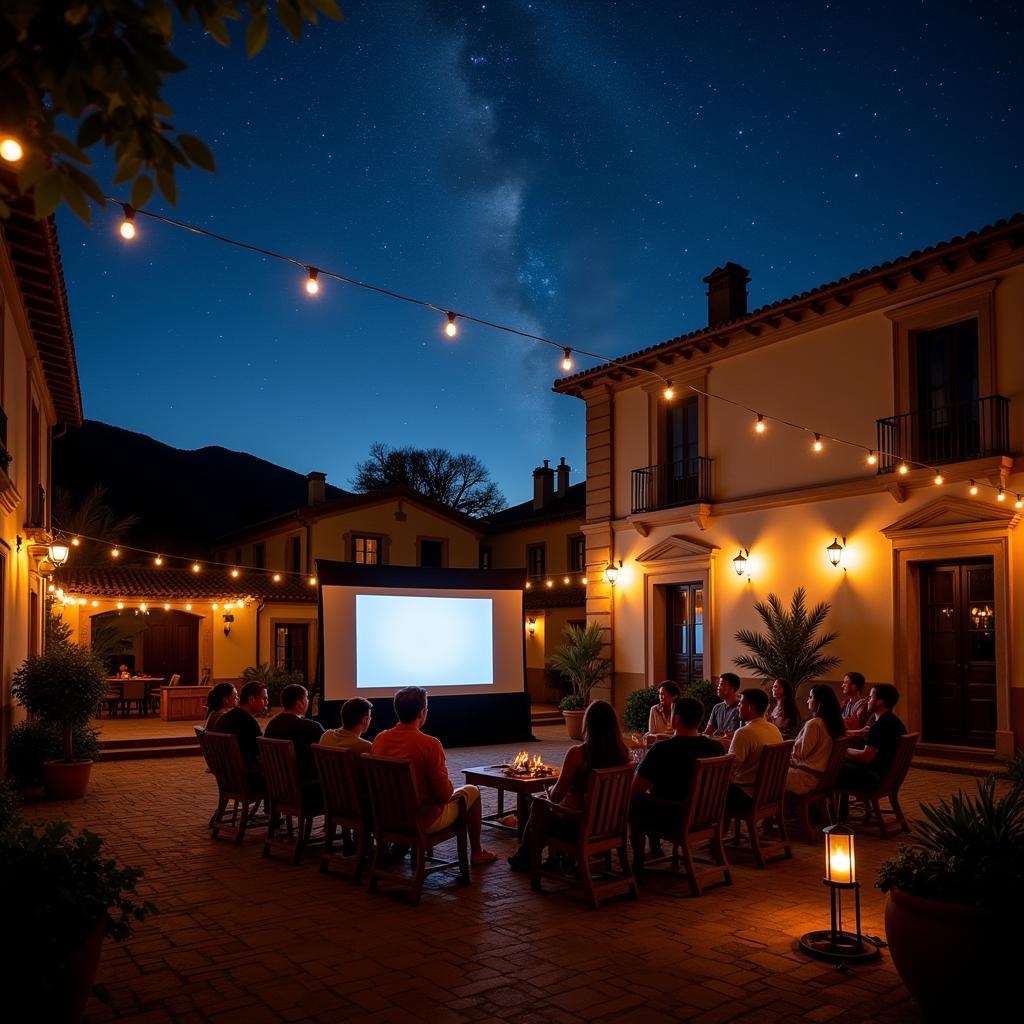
(183, 703)
(495, 778)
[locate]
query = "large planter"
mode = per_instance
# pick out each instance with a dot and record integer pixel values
(66, 780)
(574, 723)
(72, 991)
(952, 958)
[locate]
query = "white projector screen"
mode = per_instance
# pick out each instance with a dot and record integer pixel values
(377, 639)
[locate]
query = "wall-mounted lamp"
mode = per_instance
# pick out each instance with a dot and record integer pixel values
(739, 563)
(228, 619)
(835, 551)
(611, 572)
(531, 625)
(18, 541)
(59, 553)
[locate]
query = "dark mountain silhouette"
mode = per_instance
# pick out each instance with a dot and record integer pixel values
(185, 500)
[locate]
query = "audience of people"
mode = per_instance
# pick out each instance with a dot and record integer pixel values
(355, 720)
(865, 769)
(856, 713)
(659, 721)
(813, 746)
(291, 724)
(222, 698)
(782, 711)
(725, 715)
(241, 722)
(746, 746)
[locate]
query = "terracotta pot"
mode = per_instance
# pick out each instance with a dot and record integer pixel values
(73, 990)
(574, 723)
(66, 780)
(948, 955)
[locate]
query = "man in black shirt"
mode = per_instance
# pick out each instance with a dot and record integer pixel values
(241, 722)
(665, 773)
(865, 769)
(292, 725)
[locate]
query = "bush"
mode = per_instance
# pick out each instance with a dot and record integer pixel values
(274, 679)
(34, 741)
(706, 692)
(10, 805)
(637, 712)
(579, 662)
(1015, 768)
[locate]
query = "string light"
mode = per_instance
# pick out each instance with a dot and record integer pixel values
(234, 574)
(276, 577)
(196, 567)
(451, 328)
(565, 580)
(115, 553)
(528, 584)
(760, 426)
(904, 469)
(973, 489)
(938, 480)
(669, 391)
(549, 583)
(567, 360)
(11, 149)
(120, 606)
(167, 607)
(818, 446)
(75, 542)
(128, 231)
(158, 560)
(312, 581)
(95, 604)
(1001, 496)
(214, 606)
(872, 457)
(312, 284)
(143, 607)
(584, 581)
(1019, 503)
(188, 607)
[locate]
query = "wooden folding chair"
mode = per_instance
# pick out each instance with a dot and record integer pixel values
(767, 802)
(346, 806)
(701, 819)
(600, 827)
(889, 787)
(242, 789)
(288, 797)
(396, 807)
(133, 691)
(822, 795)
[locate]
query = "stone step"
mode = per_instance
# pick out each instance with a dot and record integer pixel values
(147, 753)
(149, 741)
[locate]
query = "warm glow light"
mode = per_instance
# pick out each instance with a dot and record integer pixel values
(276, 577)
(158, 560)
(611, 573)
(312, 581)
(451, 328)
(531, 625)
(818, 446)
(128, 224)
(760, 426)
(566, 580)
(50, 589)
(75, 542)
(973, 489)
(938, 480)
(584, 581)
(1019, 503)
(872, 458)
(549, 583)
(115, 553)
(11, 149)
(835, 551)
(312, 284)
(214, 606)
(567, 360)
(196, 567)
(120, 605)
(1001, 496)
(739, 563)
(95, 604)
(81, 600)
(528, 584)
(143, 607)
(904, 469)
(167, 607)
(840, 857)
(188, 607)
(234, 574)
(59, 553)
(668, 392)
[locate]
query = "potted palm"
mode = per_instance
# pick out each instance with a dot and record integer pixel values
(955, 898)
(63, 686)
(791, 646)
(579, 662)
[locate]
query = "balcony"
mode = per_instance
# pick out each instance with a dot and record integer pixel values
(956, 433)
(671, 484)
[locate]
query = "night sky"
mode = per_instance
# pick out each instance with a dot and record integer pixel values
(570, 168)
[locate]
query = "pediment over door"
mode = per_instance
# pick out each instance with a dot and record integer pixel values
(958, 514)
(673, 548)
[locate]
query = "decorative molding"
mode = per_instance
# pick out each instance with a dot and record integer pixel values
(10, 498)
(952, 515)
(673, 548)
(699, 515)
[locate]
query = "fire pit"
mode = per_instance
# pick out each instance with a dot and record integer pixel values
(525, 767)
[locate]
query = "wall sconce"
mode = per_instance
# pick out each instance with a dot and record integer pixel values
(18, 541)
(835, 551)
(739, 563)
(228, 619)
(834, 944)
(59, 552)
(611, 572)
(531, 625)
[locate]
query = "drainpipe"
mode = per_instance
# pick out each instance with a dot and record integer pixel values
(259, 608)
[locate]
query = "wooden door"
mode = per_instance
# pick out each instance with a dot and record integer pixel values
(958, 653)
(685, 632)
(947, 392)
(170, 645)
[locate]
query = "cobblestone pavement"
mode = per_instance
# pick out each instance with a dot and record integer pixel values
(247, 940)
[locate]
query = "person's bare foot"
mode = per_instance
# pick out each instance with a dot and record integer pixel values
(482, 857)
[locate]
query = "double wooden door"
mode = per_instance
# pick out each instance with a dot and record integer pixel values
(170, 646)
(685, 632)
(958, 653)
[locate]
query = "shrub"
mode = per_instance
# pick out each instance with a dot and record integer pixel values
(34, 741)
(274, 679)
(706, 692)
(637, 711)
(1015, 767)
(578, 660)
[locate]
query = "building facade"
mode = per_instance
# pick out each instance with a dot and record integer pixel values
(919, 364)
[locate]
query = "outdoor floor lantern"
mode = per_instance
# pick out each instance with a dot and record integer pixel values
(834, 943)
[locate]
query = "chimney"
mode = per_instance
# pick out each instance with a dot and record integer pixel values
(543, 485)
(562, 472)
(727, 293)
(316, 488)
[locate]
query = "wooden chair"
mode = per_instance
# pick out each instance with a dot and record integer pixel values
(133, 691)
(767, 802)
(288, 797)
(235, 785)
(889, 787)
(701, 819)
(112, 698)
(601, 827)
(346, 806)
(396, 807)
(175, 680)
(823, 794)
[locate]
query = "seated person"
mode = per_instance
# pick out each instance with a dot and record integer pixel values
(813, 746)
(429, 769)
(856, 715)
(659, 722)
(223, 697)
(865, 769)
(291, 724)
(725, 715)
(355, 720)
(782, 710)
(602, 747)
(746, 745)
(123, 673)
(241, 722)
(666, 770)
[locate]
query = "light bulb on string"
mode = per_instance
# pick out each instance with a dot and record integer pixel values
(11, 149)
(120, 606)
(312, 284)
(938, 480)
(817, 446)
(669, 392)
(75, 542)
(567, 360)
(973, 489)
(276, 577)
(904, 469)
(115, 552)
(188, 607)
(127, 228)
(872, 457)
(451, 328)
(312, 581)
(196, 567)
(760, 426)
(234, 574)
(1001, 496)
(1019, 503)
(167, 607)
(158, 560)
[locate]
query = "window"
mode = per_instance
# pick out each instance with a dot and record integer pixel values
(366, 550)
(295, 554)
(259, 556)
(535, 559)
(291, 647)
(432, 553)
(36, 492)
(577, 553)
(485, 558)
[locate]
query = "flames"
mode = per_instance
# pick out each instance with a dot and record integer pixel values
(523, 764)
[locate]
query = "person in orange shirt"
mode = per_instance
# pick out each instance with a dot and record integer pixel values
(430, 770)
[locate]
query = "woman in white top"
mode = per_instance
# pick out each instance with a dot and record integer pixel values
(659, 723)
(813, 746)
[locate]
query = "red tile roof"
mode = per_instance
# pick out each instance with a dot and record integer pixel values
(181, 584)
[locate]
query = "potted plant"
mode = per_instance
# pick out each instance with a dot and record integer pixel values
(955, 897)
(274, 679)
(791, 648)
(34, 742)
(579, 662)
(65, 896)
(63, 686)
(636, 712)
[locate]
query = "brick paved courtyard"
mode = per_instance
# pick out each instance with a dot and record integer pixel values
(243, 939)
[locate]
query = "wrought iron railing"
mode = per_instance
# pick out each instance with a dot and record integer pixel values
(954, 433)
(685, 482)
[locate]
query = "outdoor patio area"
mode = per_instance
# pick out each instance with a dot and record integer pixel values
(240, 938)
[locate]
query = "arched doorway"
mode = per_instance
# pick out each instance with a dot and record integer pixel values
(158, 643)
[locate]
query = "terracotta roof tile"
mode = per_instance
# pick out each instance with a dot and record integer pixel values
(181, 584)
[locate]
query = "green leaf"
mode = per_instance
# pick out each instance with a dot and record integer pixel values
(198, 152)
(141, 191)
(75, 198)
(330, 8)
(88, 185)
(215, 27)
(91, 129)
(256, 34)
(127, 169)
(48, 192)
(68, 148)
(168, 186)
(289, 16)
